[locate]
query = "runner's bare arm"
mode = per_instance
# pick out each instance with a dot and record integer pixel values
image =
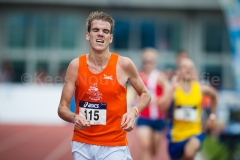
(138, 85)
(167, 97)
(210, 91)
(164, 99)
(144, 99)
(67, 93)
(168, 90)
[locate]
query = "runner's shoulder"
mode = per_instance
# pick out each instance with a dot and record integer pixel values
(208, 89)
(73, 65)
(125, 63)
(74, 62)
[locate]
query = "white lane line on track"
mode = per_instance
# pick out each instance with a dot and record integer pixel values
(60, 150)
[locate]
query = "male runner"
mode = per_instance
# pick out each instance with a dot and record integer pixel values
(98, 80)
(185, 133)
(151, 121)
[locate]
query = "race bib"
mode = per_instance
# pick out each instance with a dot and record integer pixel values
(96, 112)
(186, 113)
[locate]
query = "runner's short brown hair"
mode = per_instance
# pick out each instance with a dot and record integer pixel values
(99, 16)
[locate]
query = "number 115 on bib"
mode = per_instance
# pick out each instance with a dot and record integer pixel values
(94, 112)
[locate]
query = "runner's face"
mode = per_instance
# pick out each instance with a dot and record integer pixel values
(187, 71)
(100, 35)
(148, 63)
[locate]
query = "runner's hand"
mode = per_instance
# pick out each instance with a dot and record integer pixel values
(80, 122)
(128, 120)
(210, 124)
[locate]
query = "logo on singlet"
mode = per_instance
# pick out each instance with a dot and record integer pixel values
(107, 77)
(91, 105)
(93, 93)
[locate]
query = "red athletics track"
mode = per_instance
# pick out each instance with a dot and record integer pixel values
(25, 142)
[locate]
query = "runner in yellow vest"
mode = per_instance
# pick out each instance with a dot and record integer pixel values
(185, 133)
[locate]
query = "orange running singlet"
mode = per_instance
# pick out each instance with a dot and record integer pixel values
(101, 99)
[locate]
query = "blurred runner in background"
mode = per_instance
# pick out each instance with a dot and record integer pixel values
(151, 122)
(185, 131)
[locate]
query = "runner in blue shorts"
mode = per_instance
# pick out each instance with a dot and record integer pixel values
(185, 132)
(151, 122)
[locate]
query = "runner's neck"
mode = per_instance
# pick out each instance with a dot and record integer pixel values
(98, 60)
(186, 85)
